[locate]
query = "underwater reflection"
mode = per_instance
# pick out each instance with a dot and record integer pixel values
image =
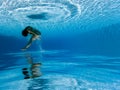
(33, 70)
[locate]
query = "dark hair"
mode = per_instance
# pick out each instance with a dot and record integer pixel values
(25, 31)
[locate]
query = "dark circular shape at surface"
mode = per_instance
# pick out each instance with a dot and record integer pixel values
(41, 16)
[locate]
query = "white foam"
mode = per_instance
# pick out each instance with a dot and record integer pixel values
(18, 10)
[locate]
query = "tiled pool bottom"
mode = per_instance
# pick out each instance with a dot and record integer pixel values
(59, 71)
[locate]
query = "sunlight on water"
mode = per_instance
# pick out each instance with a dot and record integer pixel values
(58, 16)
(56, 10)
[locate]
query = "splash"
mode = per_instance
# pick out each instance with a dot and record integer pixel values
(55, 17)
(39, 10)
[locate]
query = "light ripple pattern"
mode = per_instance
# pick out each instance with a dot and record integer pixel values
(39, 10)
(61, 73)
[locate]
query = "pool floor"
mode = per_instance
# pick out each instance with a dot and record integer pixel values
(58, 70)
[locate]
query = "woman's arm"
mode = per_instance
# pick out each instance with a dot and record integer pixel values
(29, 43)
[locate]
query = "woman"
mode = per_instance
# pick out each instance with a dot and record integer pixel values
(35, 35)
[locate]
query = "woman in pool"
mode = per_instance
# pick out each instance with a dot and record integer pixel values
(35, 35)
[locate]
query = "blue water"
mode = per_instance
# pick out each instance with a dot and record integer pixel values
(79, 47)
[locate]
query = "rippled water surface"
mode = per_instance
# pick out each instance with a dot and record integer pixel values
(60, 70)
(55, 16)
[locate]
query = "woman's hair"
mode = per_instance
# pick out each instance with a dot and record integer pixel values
(25, 31)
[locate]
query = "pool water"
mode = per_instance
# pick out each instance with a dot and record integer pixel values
(59, 70)
(79, 48)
